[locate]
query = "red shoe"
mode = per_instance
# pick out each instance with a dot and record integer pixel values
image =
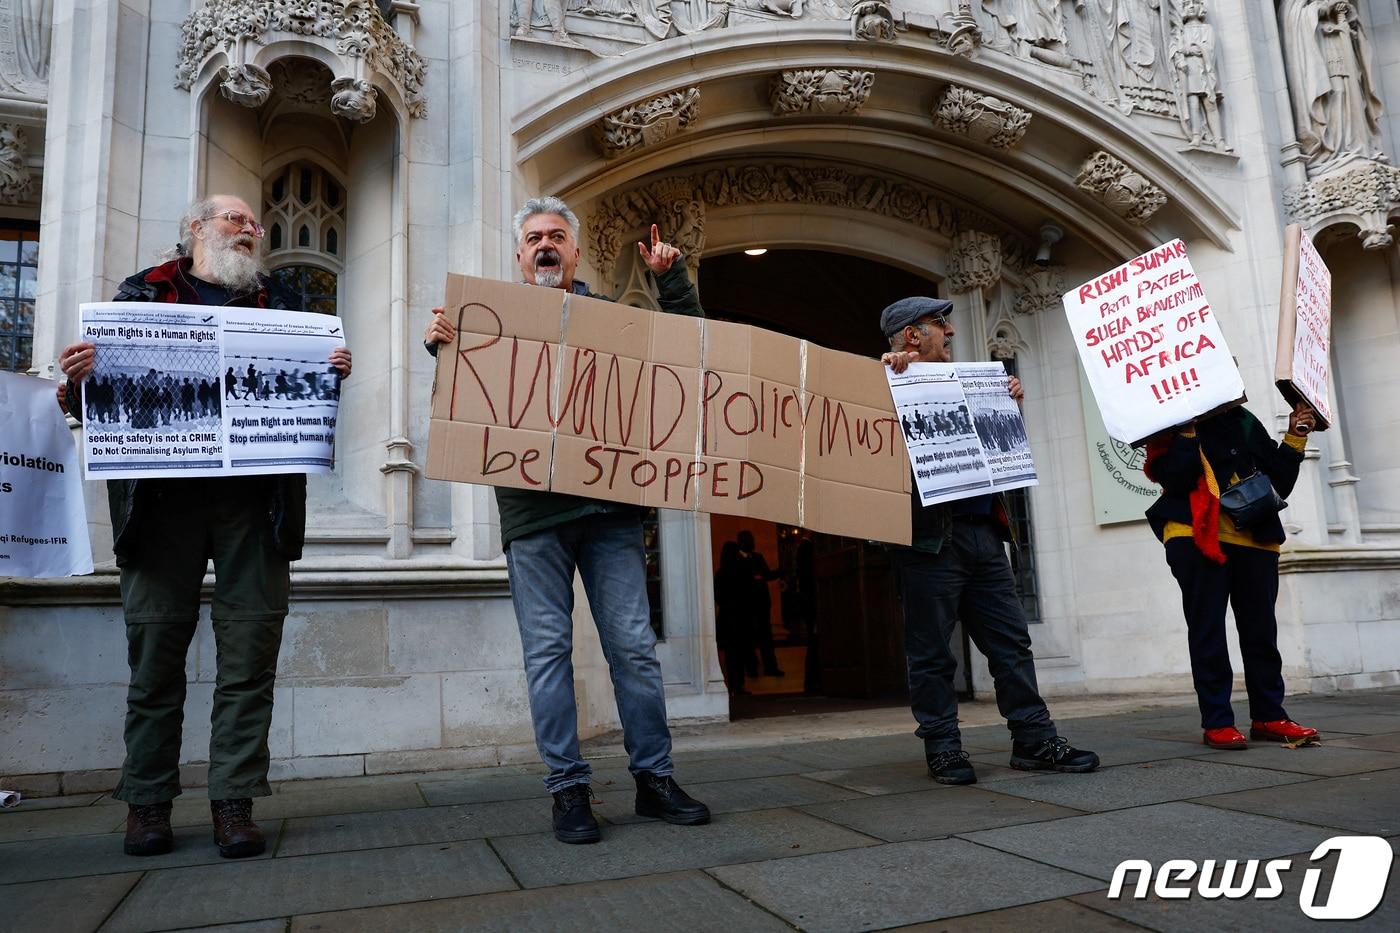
(1226, 737)
(1280, 730)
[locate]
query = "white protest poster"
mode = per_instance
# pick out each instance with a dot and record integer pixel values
(1000, 427)
(43, 522)
(186, 390)
(1304, 325)
(1151, 345)
(964, 438)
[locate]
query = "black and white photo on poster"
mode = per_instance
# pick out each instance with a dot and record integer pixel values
(937, 425)
(181, 390)
(999, 424)
(963, 430)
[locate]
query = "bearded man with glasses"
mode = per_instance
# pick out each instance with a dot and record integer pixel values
(164, 532)
(956, 569)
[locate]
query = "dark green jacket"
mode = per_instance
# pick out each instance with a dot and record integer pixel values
(525, 511)
(129, 500)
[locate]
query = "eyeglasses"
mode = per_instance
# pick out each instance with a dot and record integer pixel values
(938, 320)
(240, 220)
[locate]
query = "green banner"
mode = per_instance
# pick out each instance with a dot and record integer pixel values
(1122, 492)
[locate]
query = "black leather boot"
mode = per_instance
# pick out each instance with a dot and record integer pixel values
(573, 815)
(659, 796)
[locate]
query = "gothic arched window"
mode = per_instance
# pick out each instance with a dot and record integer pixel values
(304, 212)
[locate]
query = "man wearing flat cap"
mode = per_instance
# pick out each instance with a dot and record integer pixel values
(956, 568)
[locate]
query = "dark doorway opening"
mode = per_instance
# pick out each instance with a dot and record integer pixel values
(828, 605)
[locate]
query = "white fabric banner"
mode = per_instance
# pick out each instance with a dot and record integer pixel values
(43, 521)
(1151, 345)
(963, 430)
(188, 390)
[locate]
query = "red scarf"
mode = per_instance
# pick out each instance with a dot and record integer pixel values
(1205, 503)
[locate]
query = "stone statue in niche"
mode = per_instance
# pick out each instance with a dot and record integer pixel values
(1030, 27)
(1332, 83)
(1192, 52)
(1127, 40)
(25, 26)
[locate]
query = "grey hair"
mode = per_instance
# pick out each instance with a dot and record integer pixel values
(545, 205)
(897, 340)
(197, 211)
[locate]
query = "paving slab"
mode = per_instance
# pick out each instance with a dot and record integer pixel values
(700, 772)
(73, 905)
(74, 856)
(1145, 783)
(257, 890)
(484, 788)
(686, 900)
(930, 814)
(1363, 803)
(1117, 749)
(1359, 721)
(857, 753)
(905, 778)
(767, 793)
(32, 804)
(193, 810)
(19, 824)
(1328, 759)
(1094, 844)
(1384, 742)
(277, 925)
(1063, 914)
(870, 889)
(349, 832)
(1249, 915)
(541, 861)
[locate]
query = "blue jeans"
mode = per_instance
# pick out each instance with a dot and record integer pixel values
(969, 579)
(606, 550)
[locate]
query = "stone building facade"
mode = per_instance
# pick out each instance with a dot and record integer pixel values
(998, 150)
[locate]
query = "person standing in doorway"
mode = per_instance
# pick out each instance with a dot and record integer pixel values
(760, 604)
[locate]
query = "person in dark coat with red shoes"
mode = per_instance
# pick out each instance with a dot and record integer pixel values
(1216, 562)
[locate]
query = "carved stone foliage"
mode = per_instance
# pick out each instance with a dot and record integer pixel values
(1122, 190)
(974, 261)
(1044, 285)
(1365, 195)
(647, 123)
(15, 181)
(981, 117)
(618, 217)
(353, 29)
(820, 90)
(25, 26)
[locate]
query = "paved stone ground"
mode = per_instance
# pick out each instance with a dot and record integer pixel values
(834, 835)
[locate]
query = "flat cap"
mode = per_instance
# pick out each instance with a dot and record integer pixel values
(906, 311)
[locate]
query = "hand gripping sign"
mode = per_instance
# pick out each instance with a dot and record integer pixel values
(1151, 346)
(547, 390)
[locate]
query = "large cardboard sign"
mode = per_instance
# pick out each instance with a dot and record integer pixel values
(189, 390)
(547, 390)
(963, 429)
(1304, 326)
(1151, 345)
(43, 521)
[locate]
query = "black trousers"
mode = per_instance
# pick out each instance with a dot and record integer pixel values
(1248, 582)
(969, 579)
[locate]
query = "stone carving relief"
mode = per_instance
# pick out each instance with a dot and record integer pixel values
(981, 117)
(1364, 194)
(1041, 290)
(873, 21)
(647, 123)
(301, 82)
(1122, 190)
(974, 261)
(1003, 341)
(616, 219)
(355, 99)
(352, 29)
(820, 90)
(25, 26)
(15, 180)
(1332, 83)
(1028, 28)
(248, 85)
(1197, 85)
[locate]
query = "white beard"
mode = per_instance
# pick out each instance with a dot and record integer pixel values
(230, 268)
(549, 278)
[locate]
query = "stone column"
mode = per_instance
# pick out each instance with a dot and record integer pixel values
(974, 268)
